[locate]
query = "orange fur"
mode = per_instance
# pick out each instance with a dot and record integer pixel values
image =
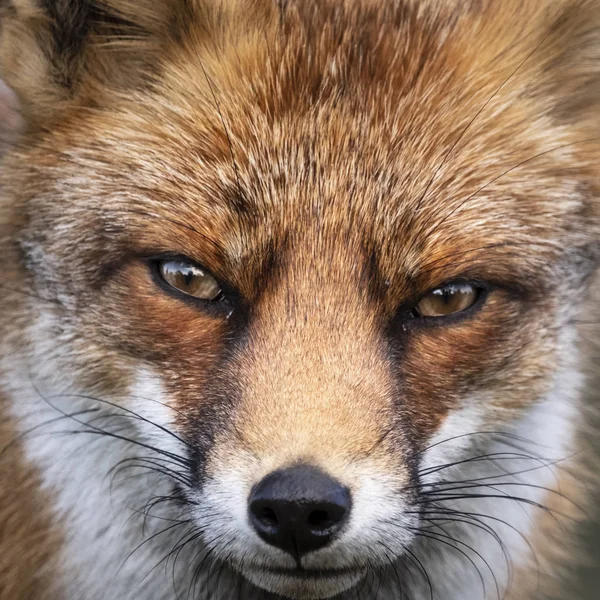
(332, 162)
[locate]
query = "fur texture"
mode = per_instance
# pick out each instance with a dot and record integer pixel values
(329, 163)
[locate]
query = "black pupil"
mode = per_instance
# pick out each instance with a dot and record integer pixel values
(188, 276)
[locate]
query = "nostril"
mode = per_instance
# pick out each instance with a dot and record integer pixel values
(264, 518)
(321, 521)
(267, 517)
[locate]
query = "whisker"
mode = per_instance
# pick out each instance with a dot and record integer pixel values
(226, 131)
(149, 465)
(39, 426)
(152, 537)
(486, 457)
(502, 434)
(190, 536)
(414, 559)
(125, 410)
(438, 224)
(482, 109)
(97, 431)
(441, 538)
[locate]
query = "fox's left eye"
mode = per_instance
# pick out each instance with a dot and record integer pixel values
(448, 300)
(189, 278)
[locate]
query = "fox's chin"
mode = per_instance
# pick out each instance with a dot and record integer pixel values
(305, 585)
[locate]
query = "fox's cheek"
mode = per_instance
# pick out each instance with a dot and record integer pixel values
(160, 420)
(174, 335)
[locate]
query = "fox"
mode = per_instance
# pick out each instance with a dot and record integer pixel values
(298, 298)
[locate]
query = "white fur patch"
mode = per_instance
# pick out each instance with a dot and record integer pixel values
(103, 528)
(523, 464)
(98, 508)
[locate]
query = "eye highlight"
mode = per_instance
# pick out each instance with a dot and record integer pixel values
(190, 279)
(447, 300)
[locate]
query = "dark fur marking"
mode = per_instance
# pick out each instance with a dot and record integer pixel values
(215, 415)
(72, 21)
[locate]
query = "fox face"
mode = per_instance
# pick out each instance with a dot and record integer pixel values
(317, 265)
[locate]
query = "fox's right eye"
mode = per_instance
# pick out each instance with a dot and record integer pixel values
(448, 300)
(190, 279)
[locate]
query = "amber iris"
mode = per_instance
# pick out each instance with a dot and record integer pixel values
(447, 300)
(189, 279)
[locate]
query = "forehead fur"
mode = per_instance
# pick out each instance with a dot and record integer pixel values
(443, 128)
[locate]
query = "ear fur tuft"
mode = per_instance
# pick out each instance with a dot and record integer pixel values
(54, 51)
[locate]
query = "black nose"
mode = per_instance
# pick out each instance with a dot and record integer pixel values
(298, 509)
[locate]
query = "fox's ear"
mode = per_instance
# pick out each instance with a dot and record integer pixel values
(54, 52)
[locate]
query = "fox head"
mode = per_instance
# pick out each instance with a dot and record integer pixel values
(320, 250)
